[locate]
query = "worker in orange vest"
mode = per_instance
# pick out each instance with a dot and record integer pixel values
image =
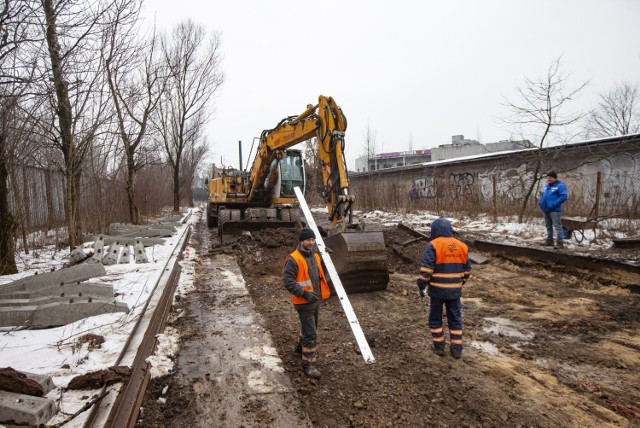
(444, 269)
(303, 276)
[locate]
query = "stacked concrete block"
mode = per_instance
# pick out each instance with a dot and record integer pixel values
(125, 256)
(27, 410)
(138, 252)
(98, 250)
(57, 298)
(111, 256)
(77, 255)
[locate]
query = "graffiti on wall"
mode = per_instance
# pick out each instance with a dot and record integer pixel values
(461, 185)
(425, 188)
(616, 179)
(511, 183)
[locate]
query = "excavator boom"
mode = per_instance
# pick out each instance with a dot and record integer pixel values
(264, 196)
(325, 121)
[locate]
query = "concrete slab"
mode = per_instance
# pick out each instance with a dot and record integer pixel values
(94, 289)
(478, 259)
(45, 300)
(149, 233)
(56, 313)
(25, 410)
(67, 275)
(108, 240)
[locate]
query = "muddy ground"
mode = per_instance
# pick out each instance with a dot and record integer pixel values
(545, 346)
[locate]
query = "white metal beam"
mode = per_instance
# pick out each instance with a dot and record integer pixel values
(337, 284)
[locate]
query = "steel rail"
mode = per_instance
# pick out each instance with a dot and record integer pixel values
(122, 410)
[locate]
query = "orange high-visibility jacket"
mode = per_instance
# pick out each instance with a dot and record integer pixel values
(304, 280)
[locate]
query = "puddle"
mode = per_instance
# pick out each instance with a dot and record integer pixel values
(486, 347)
(505, 327)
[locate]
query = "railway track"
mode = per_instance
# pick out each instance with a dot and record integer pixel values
(120, 404)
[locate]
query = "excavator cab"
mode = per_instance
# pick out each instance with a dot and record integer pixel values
(291, 174)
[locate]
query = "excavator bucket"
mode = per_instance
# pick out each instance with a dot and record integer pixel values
(360, 258)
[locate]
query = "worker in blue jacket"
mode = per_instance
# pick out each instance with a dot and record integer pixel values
(554, 194)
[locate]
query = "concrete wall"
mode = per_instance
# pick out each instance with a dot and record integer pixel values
(468, 184)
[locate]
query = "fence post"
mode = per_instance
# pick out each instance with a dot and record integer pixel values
(596, 205)
(495, 200)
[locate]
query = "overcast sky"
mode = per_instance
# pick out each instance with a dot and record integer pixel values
(415, 72)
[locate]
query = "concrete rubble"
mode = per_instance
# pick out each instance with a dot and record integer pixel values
(61, 297)
(56, 298)
(18, 409)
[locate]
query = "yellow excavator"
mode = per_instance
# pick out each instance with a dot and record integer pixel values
(264, 196)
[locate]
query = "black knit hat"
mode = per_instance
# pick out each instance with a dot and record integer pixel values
(307, 233)
(552, 174)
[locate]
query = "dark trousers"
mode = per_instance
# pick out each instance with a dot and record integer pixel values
(308, 315)
(454, 318)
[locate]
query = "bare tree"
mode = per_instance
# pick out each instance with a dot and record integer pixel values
(16, 71)
(73, 33)
(135, 84)
(541, 112)
(194, 76)
(315, 184)
(370, 145)
(617, 113)
(192, 159)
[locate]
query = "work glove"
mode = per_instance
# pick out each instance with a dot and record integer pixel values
(309, 296)
(422, 286)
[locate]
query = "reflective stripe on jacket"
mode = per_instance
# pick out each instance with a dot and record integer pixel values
(304, 280)
(451, 264)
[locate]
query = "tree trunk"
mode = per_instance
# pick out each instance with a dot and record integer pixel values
(74, 222)
(49, 189)
(534, 182)
(7, 225)
(72, 163)
(176, 187)
(134, 211)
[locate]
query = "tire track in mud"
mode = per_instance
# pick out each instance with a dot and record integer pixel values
(228, 373)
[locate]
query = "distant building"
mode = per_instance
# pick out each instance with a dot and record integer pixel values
(392, 160)
(459, 147)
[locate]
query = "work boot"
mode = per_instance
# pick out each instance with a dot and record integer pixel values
(548, 243)
(439, 350)
(311, 371)
(456, 352)
(559, 245)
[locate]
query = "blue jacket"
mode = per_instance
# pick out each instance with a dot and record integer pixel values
(553, 196)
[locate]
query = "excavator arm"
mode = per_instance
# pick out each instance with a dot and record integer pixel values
(241, 201)
(324, 121)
